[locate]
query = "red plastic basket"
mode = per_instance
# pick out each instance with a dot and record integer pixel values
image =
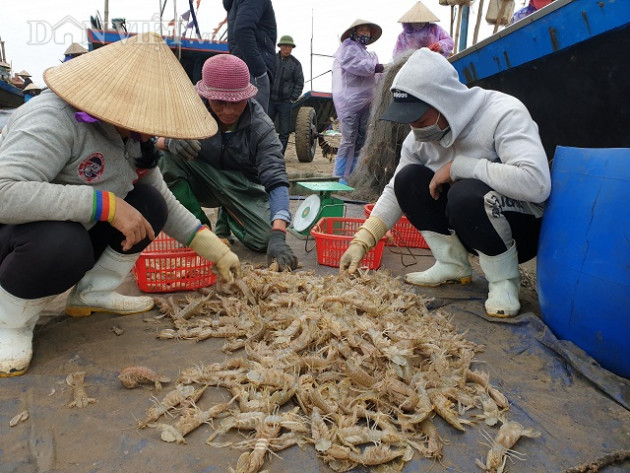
(404, 233)
(333, 236)
(167, 266)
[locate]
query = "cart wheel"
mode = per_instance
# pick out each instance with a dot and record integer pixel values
(306, 134)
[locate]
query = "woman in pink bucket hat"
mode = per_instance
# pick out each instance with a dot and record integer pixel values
(240, 170)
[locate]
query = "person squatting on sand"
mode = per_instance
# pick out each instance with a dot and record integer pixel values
(81, 194)
(241, 169)
(473, 177)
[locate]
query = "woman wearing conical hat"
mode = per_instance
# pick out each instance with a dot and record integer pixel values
(81, 194)
(420, 31)
(30, 91)
(26, 77)
(355, 73)
(72, 51)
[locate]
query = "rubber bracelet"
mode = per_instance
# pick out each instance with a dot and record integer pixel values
(112, 207)
(103, 206)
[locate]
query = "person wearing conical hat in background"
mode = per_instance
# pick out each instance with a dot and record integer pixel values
(240, 170)
(30, 91)
(354, 75)
(26, 78)
(286, 88)
(420, 31)
(72, 51)
(81, 194)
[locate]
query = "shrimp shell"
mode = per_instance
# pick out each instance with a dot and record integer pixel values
(77, 381)
(133, 376)
(506, 438)
(22, 416)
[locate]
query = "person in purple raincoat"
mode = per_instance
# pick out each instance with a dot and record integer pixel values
(420, 31)
(354, 75)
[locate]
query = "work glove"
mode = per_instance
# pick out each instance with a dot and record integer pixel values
(185, 149)
(366, 238)
(379, 68)
(279, 251)
(207, 245)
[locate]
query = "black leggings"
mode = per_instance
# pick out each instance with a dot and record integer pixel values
(483, 219)
(40, 259)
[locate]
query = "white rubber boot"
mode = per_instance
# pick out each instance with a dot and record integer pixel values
(95, 291)
(17, 321)
(504, 283)
(451, 262)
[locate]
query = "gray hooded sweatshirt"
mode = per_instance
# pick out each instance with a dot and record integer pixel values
(493, 137)
(51, 165)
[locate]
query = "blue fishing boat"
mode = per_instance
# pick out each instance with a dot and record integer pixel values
(566, 63)
(10, 95)
(191, 52)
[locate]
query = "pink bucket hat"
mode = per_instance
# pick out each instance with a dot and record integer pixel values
(225, 77)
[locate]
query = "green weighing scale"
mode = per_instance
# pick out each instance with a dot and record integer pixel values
(317, 206)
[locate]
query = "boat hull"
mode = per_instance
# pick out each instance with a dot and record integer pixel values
(10, 96)
(575, 80)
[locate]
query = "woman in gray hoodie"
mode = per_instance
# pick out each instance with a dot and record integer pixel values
(473, 177)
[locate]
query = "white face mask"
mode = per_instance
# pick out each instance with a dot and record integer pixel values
(431, 132)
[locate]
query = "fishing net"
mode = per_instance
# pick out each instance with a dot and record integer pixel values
(381, 152)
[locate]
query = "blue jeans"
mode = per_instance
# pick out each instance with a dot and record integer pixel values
(264, 90)
(283, 111)
(353, 129)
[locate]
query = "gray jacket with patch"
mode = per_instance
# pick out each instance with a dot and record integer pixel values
(51, 165)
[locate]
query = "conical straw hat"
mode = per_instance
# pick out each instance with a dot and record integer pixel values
(376, 30)
(23, 73)
(31, 86)
(419, 14)
(137, 84)
(75, 48)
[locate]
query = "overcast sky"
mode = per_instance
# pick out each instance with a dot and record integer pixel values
(37, 32)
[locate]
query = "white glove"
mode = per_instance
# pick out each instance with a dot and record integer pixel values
(209, 246)
(366, 238)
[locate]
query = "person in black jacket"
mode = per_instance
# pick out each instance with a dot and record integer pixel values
(286, 88)
(240, 170)
(252, 34)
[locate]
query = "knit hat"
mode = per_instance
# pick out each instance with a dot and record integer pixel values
(75, 49)
(225, 77)
(137, 84)
(375, 30)
(419, 14)
(286, 40)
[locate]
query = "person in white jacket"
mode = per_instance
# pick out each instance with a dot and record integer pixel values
(473, 177)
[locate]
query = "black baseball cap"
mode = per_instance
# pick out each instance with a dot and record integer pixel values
(405, 108)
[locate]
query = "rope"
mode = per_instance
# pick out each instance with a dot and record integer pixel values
(619, 456)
